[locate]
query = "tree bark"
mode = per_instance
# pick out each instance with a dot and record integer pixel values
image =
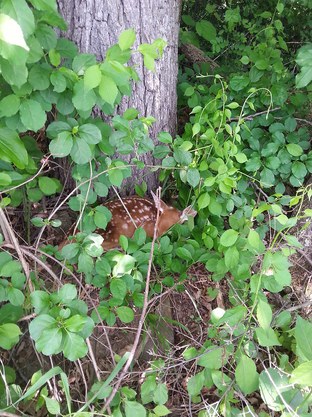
(96, 24)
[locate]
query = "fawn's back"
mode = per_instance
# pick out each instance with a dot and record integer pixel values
(134, 212)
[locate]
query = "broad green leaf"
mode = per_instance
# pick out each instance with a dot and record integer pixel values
(161, 410)
(229, 237)
(255, 242)
(118, 288)
(58, 81)
(303, 331)
(193, 177)
(9, 105)
(32, 115)
(75, 323)
(206, 30)
(203, 200)
(52, 405)
(267, 337)
(302, 375)
(126, 39)
(92, 77)
(264, 314)
(67, 293)
(9, 335)
(125, 314)
(39, 77)
(49, 341)
(47, 185)
(11, 32)
(214, 359)
(231, 257)
(74, 346)
(12, 147)
(85, 263)
(108, 90)
(15, 296)
(299, 170)
(183, 253)
(134, 409)
(124, 264)
(90, 133)
(81, 152)
(62, 145)
(246, 375)
(294, 149)
(83, 99)
(160, 395)
(272, 385)
(196, 383)
(115, 176)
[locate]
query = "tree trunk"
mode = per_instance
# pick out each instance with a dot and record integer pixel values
(96, 24)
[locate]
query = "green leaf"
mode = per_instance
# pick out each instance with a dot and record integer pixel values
(13, 148)
(267, 337)
(231, 257)
(90, 133)
(134, 409)
(58, 81)
(85, 263)
(115, 176)
(81, 152)
(75, 323)
(183, 253)
(9, 335)
(39, 77)
(214, 359)
(299, 170)
(108, 90)
(15, 296)
(229, 237)
(40, 300)
(196, 383)
(52, 405)
(303, 331)
(62, 145)
(203, 200)
(124, 264)
(70, 251)
(160, 395)
(302, 375)
(193, 177)
(49, 341)
(11, 32)
(161, 410)
(255, 242)
(246, 375)
(206, 30)
(102, 216)
(272, 385)
(264, 314)
(125, 314)
(126, 39)
(83, 99)
(92, 77)
(47, 185)
(74, 346)
(118, 288)
(294, 149)
(9, 105)
(32, 115)
(67, 293)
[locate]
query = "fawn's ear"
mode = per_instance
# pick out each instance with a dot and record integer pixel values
(159, 204)
(186, 213)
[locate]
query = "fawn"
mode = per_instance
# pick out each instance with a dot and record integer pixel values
(134, 212)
